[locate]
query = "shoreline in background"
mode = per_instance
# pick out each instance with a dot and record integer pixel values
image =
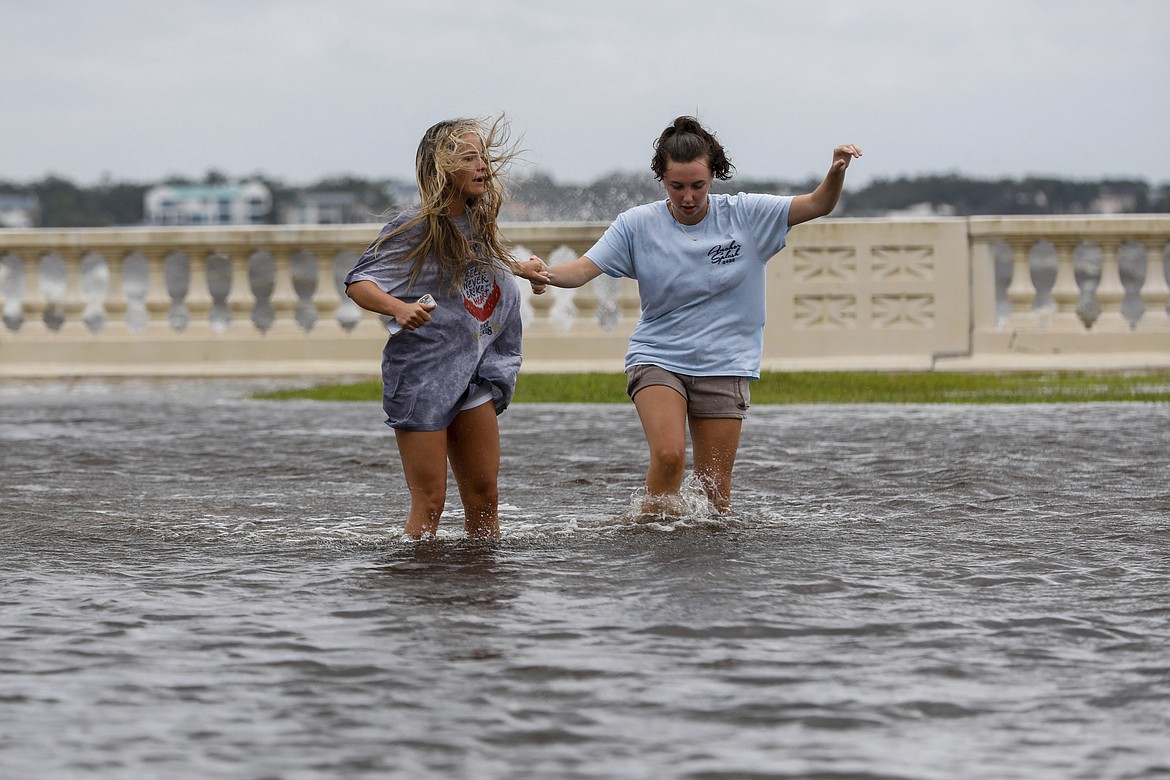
(56, 203)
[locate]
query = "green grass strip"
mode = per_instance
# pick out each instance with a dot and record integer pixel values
(831, 387)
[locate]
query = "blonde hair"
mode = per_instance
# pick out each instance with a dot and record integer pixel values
(440, 156)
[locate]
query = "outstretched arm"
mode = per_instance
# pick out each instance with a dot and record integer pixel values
(823, 199)
(571, 274)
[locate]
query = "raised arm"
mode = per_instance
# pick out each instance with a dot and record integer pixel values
(823, 199)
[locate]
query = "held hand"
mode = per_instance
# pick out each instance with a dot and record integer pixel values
(535, 271)
(843, 155)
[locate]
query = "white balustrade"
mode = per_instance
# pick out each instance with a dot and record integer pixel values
(1106, 304)
(973, 293)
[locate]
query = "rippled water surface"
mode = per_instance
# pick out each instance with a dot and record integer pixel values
(198, 585)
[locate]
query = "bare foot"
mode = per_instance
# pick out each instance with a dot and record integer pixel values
(669, 506)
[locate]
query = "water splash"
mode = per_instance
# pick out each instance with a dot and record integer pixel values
(690, 508)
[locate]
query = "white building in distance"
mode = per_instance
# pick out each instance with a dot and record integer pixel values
(326, 208)
(18, 211)
(245, 203)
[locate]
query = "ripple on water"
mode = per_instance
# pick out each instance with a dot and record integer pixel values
(900, 592)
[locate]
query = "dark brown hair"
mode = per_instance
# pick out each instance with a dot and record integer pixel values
(686, 140)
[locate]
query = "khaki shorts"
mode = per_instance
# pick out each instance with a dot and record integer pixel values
(707, 396)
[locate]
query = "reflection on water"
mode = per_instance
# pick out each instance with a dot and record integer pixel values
(195, 585)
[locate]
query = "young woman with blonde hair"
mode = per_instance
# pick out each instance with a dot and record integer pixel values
(450, 366)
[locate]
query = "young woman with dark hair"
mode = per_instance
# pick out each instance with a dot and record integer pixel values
(699, 262)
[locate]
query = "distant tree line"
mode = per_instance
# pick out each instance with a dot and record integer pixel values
(1030, 195)
(61, 203)
(540, 198)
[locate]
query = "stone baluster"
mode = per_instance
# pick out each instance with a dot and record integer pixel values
(1110, 291)
(73, 305)
(158, 300)
(1022, 291)
(284, 296)
(325, 298)
(36, 303)
(33, 302)
(199, 301)
(1155, 290)
(586, 300)
(542, 307)
(241, 300)
(1065, 291)
(629, 303)
(116, 301)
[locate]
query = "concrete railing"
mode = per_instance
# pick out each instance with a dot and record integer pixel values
(1074, 292)
(980, 293)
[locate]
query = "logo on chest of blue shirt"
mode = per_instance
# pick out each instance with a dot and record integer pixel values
(723, 254)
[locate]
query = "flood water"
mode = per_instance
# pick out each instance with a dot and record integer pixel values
(195, 584)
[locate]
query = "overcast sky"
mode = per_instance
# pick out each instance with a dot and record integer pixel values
(303, 89)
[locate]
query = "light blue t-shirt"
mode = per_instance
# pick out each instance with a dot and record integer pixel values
(701, 286)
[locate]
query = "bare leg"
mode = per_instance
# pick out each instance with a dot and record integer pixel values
(716, 441)
(663, 413)
(424, 463)
(473, 446)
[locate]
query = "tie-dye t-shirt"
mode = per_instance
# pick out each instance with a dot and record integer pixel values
(472, 341)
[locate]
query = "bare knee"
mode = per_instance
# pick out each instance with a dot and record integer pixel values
(481, 499)
(431, 492)
(669, 460)
(487, 495)
(427, 504)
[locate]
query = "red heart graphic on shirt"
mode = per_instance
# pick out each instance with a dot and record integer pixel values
(482, 306)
